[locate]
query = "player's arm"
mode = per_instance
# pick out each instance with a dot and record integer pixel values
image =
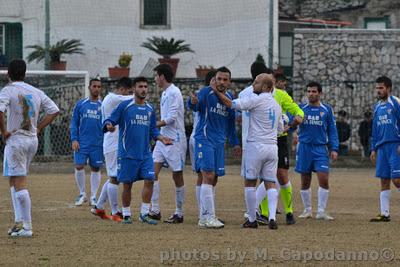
(333, 138)
(4, 103)
(373, 138)
(114, 119)
(289, 105)
(74, 127)
(173, 111)
(232, 135)
(155, 133)
(51, 110)
(196, 100)
(223, 98)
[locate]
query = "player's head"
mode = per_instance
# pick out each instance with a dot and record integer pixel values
(124, 86)
(367, 115)
(163, 75)
(280, 81)
(257, 68)
(222, 79)
(140, 87)
(94, 87)
(342, 114)
(314, 92)
(16, 70)
(209, 76)
(263, 83)
(383, 87)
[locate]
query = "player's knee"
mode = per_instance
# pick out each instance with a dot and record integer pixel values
(94, 169)
(79, 167)
(114, 180)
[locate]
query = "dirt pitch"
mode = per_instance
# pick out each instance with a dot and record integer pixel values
(68, 235)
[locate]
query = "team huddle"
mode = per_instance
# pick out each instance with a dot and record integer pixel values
(119, 131)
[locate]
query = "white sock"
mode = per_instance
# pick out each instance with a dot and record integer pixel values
(385, 202)
(179, 199)
(272, 203)
(95, 178)
(198, 191)
(323, 195)
(16, 205)
(145, 208)
(261, 193)
(306, 197)
(207, 200)
(126, 211)
(112, 190)
(103, 196)
(155, 205)
(250, 197)
(80, 180)
(25, 204)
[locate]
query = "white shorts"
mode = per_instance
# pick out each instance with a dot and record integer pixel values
(191, 153)
(260, 161)
(18, 154)
(111, 163)
(174, 155)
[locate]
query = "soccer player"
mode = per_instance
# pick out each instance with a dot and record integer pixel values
(22, 102)
(110, 148)
(385, 144)
(261, 155)
(317, 137)
(208, 79)
(137, 121)
(173, 126)
(87, 141)
(216, 122)
(288, 106)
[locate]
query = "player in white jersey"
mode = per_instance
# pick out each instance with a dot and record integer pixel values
(173, 126)
(261, 155)
(110, 149)
(22, 103)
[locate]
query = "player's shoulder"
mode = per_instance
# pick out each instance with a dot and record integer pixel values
(303, 105)
(149, 106)
(326, 107)
(246, 91)
(394, 100)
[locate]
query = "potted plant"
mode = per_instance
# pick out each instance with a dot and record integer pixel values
(167, 48)
(65, 46)
(122, 70)
(202, 70)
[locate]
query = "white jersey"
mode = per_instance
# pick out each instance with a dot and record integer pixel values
(172, 112)
(248, 91)
(195, 122)
(265, 120)
(111, 102)
(23, 102)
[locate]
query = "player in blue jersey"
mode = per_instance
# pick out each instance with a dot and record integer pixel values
(385, 145)
(216, 122)
(87, 141)
(137, 126)
(317, 137)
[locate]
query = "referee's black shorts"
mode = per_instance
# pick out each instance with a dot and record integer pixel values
(283, 152)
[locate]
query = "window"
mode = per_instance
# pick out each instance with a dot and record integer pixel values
(10, 42)
(155, 13)
(376, 23)
(286, 52)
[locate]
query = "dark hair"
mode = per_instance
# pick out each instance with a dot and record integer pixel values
(209, 76)
(279, 77)
(124, 82)
(367, 114)
(166, 70)
(385, 80)
(224, 69)
(94, 80)
(315, 84)
(139, 79)
(342, 113)
(17, 70)
(257, 68)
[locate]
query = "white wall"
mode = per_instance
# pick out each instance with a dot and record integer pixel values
(224, 32)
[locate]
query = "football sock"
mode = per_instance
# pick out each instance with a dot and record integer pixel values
(16, 205)
(250, 197)
(25, 204)
(179, 199)
(155, 206)
(145, 208)
(262, 200)
(112, 190)
(272, 202)
(95, 178)
(126, 211)
(306, 198)
(207, 200)
(198, 191)
(103, 196)
(80, 180)
(286, 197)
(323, 195)
(385, 202)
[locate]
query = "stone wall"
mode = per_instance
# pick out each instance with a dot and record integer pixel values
(310, 8)
(346, 63)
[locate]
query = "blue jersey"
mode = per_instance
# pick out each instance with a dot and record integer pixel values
(137, 126)
(216, 121)
(386, 122)
(86, 124)
(318, 127)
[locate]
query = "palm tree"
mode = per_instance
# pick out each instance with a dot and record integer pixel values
(65, 46)
(166, 48)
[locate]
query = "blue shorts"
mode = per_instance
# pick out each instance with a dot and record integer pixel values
(312, 158)
(209, 157)
(95, 157)
(388, 161)
(132, 170)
